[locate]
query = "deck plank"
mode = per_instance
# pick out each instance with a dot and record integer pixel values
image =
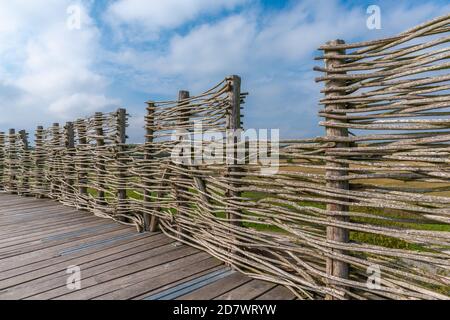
(278, 292)
(162, 277)
(248, 291)
(45, 269)
(217, 288)
(39, 239)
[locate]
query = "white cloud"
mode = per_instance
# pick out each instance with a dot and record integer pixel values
(211, 49)
(252, 42)
(80, 103)
(296, 32)
(148, 18)
(48, 71)
(272, 50)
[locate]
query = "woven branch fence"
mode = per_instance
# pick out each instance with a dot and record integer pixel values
(341, 209)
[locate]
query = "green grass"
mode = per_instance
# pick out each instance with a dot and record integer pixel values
(369, 238)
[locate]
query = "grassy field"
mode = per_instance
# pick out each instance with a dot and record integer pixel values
(419, 223)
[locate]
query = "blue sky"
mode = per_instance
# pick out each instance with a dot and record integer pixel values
(129, 51)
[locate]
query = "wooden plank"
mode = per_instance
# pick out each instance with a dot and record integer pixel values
(217, 288)
(91, 227)
(109, 280)
(56, 215)
(50, 271)
(39, 241)
(9, 208)
(21, 249)
(24, 202)
(186, 286)
(162, 278)
(69, 231)
(47, 222)
(91, 267)
(41, 212)
(277, 293)
(47, 228)
(31, 256)
(172, 284)
(18, 207)
(248, 291)
(37, 269)
(28, 203)
(37, 213)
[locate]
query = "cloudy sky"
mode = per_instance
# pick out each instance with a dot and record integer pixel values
(126, 52)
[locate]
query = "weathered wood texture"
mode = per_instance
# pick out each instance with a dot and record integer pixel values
(40, 240)
(336, 267)
(337, 206)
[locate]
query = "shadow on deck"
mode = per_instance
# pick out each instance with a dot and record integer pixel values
(40, 239)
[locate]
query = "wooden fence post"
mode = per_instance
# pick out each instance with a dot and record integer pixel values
(335, 267)
(25, 186)
(69, 134)
(39, 158)
(2, 160)
(12, 157)
(233, 124)
(150, 222)
(55, 184)
(83, 169)
(122, 170)
(100, 163)
(69, 143)
(182, 120)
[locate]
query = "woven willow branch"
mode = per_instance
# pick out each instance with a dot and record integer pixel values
(396, 210)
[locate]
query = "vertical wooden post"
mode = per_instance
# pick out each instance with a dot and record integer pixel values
(24, 137)
(39, 162)
(335, 267)
(55, 185)
(122, 175)
(2, 160)
(83, 170)
(150, 222)
(69, 143)
(233, 123)
(69, 135)
(25, 186)
(98, 120)
(183, 120)
(12, 157)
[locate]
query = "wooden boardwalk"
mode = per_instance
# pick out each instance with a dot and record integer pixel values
(40, 239)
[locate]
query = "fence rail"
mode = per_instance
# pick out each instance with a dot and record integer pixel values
(342, 208)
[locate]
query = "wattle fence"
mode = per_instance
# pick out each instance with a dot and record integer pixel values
(348, 215)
